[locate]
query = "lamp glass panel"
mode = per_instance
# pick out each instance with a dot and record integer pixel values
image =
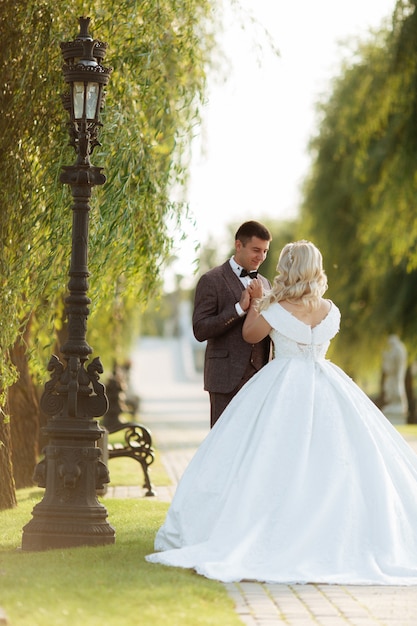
(78, 95)
(92, 98)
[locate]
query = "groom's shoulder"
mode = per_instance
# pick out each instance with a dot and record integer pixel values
(216, 272)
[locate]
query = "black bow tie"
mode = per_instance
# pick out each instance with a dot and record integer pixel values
(252, 274)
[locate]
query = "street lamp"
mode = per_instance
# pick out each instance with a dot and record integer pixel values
(70, 514)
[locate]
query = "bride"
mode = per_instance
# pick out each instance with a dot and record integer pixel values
(302, 479)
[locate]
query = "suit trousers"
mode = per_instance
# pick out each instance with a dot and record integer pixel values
(219, 401)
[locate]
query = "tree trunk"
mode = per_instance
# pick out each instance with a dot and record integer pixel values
(24, 413)
(7, 490)
(409, 388)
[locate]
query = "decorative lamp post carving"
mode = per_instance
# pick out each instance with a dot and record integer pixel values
(70, 514)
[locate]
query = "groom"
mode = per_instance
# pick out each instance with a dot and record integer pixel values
(220, 305)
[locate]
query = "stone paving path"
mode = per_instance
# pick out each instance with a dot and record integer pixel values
(176, 409)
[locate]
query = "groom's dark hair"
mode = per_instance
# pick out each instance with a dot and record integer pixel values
(252, 229)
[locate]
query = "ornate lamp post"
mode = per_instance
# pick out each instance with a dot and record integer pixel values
(69, 514)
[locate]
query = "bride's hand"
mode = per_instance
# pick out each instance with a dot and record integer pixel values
(255, 289)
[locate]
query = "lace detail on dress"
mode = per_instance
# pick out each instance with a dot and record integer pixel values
(288, 348)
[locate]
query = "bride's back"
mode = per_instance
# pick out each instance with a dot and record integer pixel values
(307, 315)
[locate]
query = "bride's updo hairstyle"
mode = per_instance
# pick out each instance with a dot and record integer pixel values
(300, 276)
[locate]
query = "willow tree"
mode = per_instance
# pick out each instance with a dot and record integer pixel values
(159, 51)
(360, 197)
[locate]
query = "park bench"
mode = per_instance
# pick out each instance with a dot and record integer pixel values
(137, 439)
(137, 445)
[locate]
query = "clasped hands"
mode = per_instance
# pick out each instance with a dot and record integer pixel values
(252, 292)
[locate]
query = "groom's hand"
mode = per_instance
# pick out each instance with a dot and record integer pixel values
(245, 299)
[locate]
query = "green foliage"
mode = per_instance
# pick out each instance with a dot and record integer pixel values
(159, 51)
(359, 205)
(156, 86)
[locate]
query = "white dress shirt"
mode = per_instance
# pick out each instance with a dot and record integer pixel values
(245, 280)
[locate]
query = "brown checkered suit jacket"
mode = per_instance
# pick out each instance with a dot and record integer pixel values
(215, 320)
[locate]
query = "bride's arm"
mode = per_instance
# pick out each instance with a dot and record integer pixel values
(255, 327)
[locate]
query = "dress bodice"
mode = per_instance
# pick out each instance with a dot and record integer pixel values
(294, 339)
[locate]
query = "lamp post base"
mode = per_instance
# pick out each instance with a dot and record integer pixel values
(52, 528)
(70, 514)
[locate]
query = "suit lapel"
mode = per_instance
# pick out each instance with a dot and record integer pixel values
(232, 280)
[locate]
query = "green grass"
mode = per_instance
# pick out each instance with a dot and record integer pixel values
(108, 585)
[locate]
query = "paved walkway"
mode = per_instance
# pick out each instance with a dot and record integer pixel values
(176, 409)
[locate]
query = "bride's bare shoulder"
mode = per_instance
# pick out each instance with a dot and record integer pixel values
(325, 305)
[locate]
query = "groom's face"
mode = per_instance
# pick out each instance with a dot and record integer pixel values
(251, 254)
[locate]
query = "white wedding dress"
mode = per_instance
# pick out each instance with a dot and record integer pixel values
(301, 480)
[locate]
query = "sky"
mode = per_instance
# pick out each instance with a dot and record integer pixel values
(250, 156)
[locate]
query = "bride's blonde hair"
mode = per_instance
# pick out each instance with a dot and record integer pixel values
(300, 276)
